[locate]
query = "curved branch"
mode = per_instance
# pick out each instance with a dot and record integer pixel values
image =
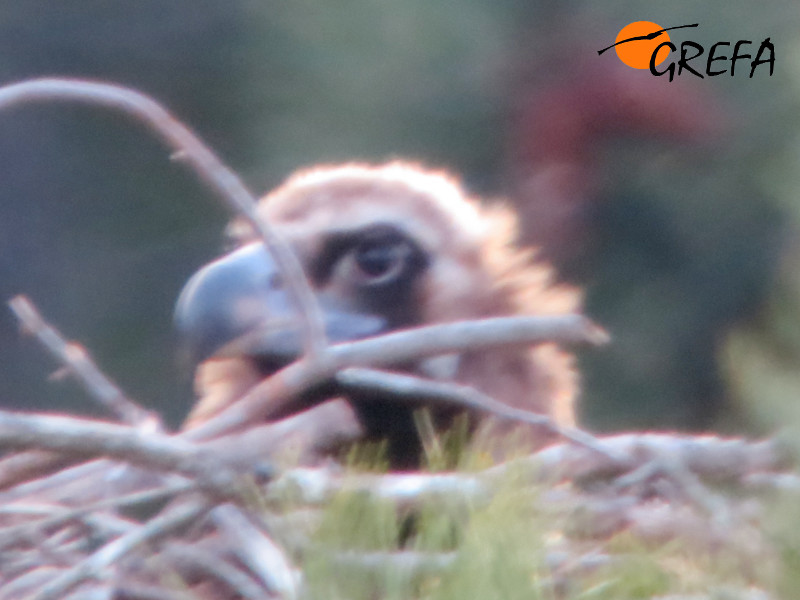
(190, 149)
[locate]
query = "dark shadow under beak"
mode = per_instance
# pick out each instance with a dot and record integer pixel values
(238, 306)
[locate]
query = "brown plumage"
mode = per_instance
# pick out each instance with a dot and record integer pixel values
(407, 247)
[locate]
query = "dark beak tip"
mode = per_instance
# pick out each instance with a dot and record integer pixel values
(235, 306)
(222, 301)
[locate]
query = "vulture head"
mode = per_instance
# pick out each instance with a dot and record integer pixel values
(383, 248)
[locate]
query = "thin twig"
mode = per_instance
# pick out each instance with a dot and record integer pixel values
(252, 546)
(275, 395)
(58, 514)
(306, 435)
(433, 340)
(24, 466)
(57, 481)
(410, 388)
(81, 365)
(721, 460)
(714, 458)
(90, 439)
(93, 566)
(193, 558)
(208, 167)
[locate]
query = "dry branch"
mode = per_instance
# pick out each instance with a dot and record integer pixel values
(87, 439)
(276, 394)
(24, 466)
(191, 150)
(93, 513)
(198, 561)
(94, 566)
(603, 510)
(401, 387)
(720, 460)
(215, 466)
(75, 357)
(257, 551)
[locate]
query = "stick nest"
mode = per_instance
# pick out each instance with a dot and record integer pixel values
(123, 509)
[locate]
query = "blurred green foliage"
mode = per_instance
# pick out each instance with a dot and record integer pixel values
(513, 545)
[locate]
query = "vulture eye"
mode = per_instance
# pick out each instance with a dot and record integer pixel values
(373, 260)
(381, 260)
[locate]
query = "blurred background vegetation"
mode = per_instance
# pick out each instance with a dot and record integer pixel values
(674, 204)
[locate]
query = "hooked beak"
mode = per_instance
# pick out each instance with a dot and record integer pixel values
(238, 305)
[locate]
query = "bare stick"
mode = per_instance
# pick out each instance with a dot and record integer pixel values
(216, 466)
(723, 460)
(716, 458)
(308, 435)
(56, 481)
(257, 551)
(208, 167)
(94, 565)
(411, 389)
(419, 342)
(24, 466)
(58, 515)
(274, 396)
(89, 439)
(81, 365)
(194, 558)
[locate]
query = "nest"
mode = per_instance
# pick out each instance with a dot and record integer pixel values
(151, 515)
(124, 509)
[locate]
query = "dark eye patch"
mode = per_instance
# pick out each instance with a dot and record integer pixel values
(374, 246)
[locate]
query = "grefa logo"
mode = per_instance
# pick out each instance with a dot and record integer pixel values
(646, 45)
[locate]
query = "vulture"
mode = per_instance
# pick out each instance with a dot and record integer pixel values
(383, 247)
